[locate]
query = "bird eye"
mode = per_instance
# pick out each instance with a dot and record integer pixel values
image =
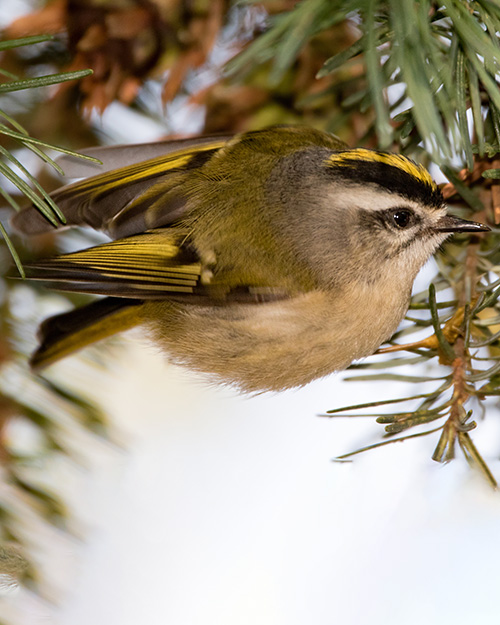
(402, 218)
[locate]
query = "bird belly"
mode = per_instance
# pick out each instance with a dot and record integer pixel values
(272, 346)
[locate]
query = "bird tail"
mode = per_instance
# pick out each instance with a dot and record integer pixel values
(69, 332)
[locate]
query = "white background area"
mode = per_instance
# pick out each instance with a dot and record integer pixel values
(228, 511)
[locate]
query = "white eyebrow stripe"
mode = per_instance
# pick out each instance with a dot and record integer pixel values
(372, 199)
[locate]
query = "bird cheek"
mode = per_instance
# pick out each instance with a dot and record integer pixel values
(430, 244)
(440, 237)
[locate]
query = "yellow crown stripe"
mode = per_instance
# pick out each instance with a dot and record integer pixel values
(393, 160)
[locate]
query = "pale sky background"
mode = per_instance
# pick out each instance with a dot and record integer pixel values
(227, 510)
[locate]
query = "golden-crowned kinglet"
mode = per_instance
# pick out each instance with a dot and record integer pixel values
(265, 260)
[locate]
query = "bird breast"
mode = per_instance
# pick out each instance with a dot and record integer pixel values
(276, 345)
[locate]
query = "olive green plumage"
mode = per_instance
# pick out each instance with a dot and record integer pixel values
(264, 260)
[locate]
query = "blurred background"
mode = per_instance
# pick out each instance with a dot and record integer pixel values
(133, 489)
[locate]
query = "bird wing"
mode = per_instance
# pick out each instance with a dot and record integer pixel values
(145, 193)
(157, 264)
(118, 156)
(151, 264)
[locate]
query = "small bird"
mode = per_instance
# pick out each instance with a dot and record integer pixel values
(265, 260)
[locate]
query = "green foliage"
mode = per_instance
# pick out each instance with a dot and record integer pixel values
(12, 129)
(287, 34)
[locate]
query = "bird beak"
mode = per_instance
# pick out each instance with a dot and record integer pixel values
(448, 223)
